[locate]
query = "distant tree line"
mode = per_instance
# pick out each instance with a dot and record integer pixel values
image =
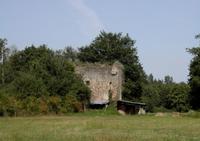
(38, 80)
(159, 95)
(165, 95)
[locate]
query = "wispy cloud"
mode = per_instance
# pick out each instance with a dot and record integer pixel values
(88, 21)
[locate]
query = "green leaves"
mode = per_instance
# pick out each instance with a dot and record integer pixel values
(40, 79)
(178, 97)
(111, 47)
(194, 80)
(27, 84)
(166, 95)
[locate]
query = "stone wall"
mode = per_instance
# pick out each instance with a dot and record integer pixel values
(104, 80)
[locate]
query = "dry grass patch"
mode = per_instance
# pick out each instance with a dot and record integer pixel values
(100, 128)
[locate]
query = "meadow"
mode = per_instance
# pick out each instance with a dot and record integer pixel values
(99, 127)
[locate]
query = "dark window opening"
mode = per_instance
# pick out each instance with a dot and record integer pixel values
(87, 82)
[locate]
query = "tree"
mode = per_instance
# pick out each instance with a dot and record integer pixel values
(69, 53)
(150, 78)
(177, 97)
(41, 80)
(3, 57)
(151, 96)
(165, 95)
(42, 69)
(194, 80)
(197, 36)
(110, 47)
(168, 79)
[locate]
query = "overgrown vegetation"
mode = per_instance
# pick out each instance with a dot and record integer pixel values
(38, 80)
(164, 96)
(110, 47)
(194, 80)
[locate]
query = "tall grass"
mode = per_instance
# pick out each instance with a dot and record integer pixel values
(81, 127)
(193, 114)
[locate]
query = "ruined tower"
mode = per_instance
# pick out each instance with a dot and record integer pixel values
(104, 80)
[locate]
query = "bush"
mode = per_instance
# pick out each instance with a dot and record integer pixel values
(30, 105)
(54, 104)
(43, 106)
(41, 81)
(26, 84)
(72, 104)
(10, 106)
(3, 99)
(151, 97)
(166, 97)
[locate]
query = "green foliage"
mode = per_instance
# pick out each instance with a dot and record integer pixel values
(3, 100)
(166, 95)
(70, 53)
(197, 36)
(110, 47)
(177, 97)
(9, 105)
(38, 80)
(151, 97)
(30, 106)
(54, 104)
(168, 79)
(26, 84)
(73, 105)
(194, 80)
(4, 53)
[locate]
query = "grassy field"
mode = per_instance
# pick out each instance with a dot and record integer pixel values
(83, 127)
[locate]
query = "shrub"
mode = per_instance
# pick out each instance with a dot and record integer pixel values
(151, 97)
(31, 105)
(43, 105)
(54, 104)
(26, 84)
(71, 104)
(38, 81)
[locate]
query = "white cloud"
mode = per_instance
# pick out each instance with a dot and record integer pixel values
(88, 21)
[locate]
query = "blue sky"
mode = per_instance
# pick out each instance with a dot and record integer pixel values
(163, 29)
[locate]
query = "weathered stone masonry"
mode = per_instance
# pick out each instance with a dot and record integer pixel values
(104, 80)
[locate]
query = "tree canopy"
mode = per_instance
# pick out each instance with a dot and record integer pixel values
(37, 77)
(194, 80)
(40, 80)
(165, 95)
(110, 47)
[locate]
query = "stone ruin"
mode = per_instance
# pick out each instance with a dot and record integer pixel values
(104, 80)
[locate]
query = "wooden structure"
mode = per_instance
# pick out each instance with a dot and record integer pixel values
(128, 107)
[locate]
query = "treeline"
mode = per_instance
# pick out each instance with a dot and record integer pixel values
(38, 80)
(165, 95)
(159, 95)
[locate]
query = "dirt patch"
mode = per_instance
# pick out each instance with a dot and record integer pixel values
(160, 114)
(176, 114)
